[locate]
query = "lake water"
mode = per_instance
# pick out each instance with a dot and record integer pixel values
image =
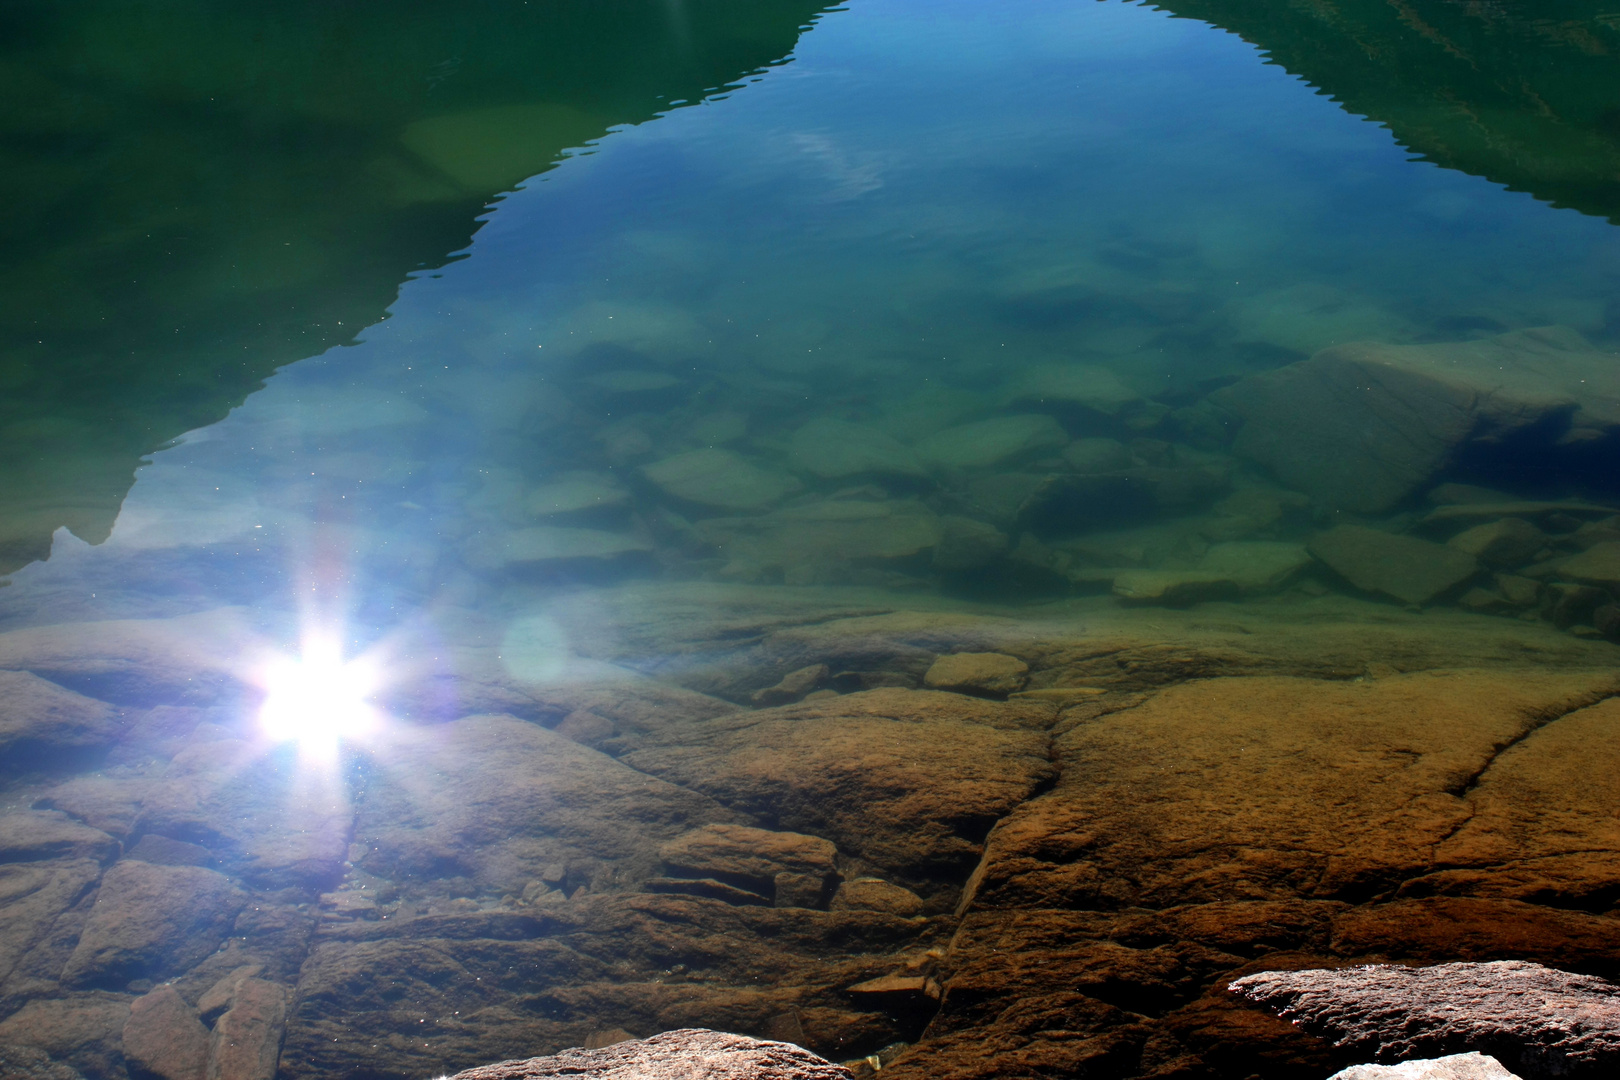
(394, 367)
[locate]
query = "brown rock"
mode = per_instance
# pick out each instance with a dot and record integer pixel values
(687, 1054)
(164, 1038)
(985, 673)
(510, 798)
(82, 1031)
(217, 998)
(909, 780)
(151, 921)
(1542, 826)
(1278, 788)
(794, 685)
(1507, 542)
(756, 859)
(1401, 567)
(34, 896)
(246, 1043)
(875, 894)
(1539, 1021)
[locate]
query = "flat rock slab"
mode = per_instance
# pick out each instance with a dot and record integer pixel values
(687, 1054)
(1471, 1066)
(1539, 1021)
(1405, 568)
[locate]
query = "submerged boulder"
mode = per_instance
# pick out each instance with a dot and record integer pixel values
(1405, 568)
(1362, 426)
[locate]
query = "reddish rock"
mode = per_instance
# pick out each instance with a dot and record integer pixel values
(150, 921)
(687, 1054)
(164, 1038)
(1538, 1021)
(247, 1039)
(908, 780)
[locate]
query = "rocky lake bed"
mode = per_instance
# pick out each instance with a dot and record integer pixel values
(941, 741)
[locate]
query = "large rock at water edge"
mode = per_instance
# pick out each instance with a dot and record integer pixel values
(687, 1054)
(1537, 1020)
(1362, 426)
(1469, 1066)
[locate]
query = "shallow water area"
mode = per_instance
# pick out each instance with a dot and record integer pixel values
(939, 534)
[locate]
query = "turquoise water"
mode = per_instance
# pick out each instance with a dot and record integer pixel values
(892, 229)
(377, 328)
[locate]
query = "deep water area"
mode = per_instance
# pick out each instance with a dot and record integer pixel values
(939, 533)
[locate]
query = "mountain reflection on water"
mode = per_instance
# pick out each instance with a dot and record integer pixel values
(1524, 94)
(947, 556)
(197, 193)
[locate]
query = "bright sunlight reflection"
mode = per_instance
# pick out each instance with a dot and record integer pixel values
(318, 700)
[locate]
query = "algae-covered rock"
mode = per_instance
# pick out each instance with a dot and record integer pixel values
(1404, 568)
(991, 442)
(720, 479)
(832, 448)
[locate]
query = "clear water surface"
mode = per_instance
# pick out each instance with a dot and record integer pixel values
(662, 273)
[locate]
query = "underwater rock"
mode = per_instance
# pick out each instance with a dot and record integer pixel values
(1507, 542)
(542, 544)
(758, 859)
(967, 544)
(38, 893)
(575, 493)
(906, 779)
(1172, 587)
(164, 1038)
(150, 921)
(1094, 388)
(687, 1054)
(983, 673)
(1281, 788)
(22, 1062)
(246, 1043)
(828, 531)
(179, 661)
(719, 479)
(792, 686)
(988, 443)
(1404, 568)
(81, 1031)
(1361, 426)
(1227, 569)
(1519, 591)
(1538, 1021)
(832, 448)
(43, 834)
(40, 715)
(1539, 828)
(1470, 1066)
(1599, 564)
(875, 894)
(1070, 502)
(1097, 455)
(510, 798)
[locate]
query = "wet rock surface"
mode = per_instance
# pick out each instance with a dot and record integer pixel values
(748, 809)
(1538, 1021)
(688, 1054)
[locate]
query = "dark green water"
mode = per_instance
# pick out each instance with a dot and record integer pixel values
(403, 316)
